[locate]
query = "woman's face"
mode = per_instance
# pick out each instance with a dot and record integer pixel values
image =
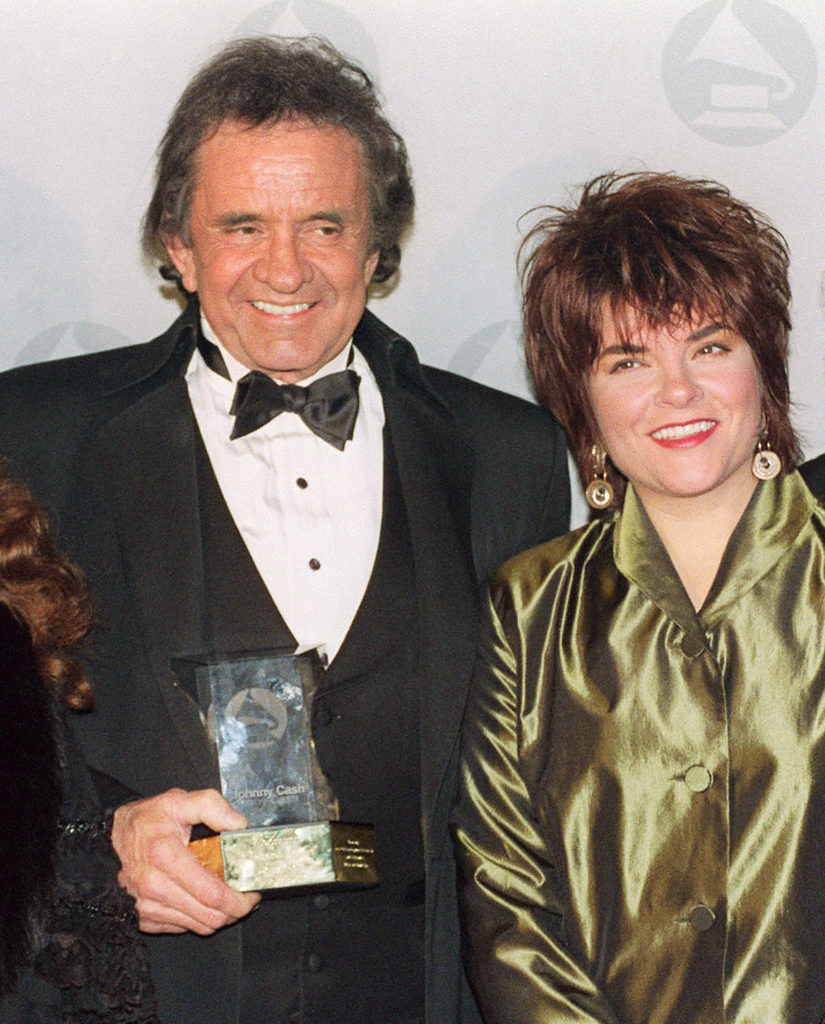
(680, 412)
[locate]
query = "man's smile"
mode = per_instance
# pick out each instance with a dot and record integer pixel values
(278, 310)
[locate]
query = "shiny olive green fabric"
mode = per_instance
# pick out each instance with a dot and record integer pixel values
(641, 827)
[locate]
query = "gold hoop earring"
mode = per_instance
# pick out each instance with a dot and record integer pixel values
(766, 463)
(599, 492)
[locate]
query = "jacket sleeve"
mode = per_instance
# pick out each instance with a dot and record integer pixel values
(521, 488)
(521, 485)
(510, 899)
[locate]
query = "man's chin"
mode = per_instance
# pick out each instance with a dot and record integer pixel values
(284, 369)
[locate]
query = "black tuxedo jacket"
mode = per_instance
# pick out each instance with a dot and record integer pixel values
(106, 441)
(813, 473)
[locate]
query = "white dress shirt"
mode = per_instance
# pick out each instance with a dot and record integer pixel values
(310, 515)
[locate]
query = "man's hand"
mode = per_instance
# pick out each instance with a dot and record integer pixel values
(173, 891)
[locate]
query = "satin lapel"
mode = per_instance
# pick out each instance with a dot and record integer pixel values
(435, 468)
(145, 457)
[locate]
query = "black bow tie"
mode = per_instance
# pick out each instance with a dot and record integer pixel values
(328, 406)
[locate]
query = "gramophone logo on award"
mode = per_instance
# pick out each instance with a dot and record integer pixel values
(257, 708)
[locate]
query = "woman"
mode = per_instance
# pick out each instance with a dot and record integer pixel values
(69, 946)
(641, 827)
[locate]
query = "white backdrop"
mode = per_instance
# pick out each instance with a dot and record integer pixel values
(502, 110)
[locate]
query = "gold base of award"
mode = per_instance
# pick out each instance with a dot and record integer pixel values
(257, 712)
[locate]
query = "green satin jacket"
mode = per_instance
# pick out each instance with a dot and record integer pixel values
(641, 827)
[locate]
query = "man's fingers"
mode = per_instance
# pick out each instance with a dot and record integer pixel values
(172, 890)
(176, 909)
(202, 806)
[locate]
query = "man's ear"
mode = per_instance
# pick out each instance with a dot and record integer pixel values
(370, 264)
(182, 256)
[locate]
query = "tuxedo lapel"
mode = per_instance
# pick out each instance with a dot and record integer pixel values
(435, 471)
(145, 460)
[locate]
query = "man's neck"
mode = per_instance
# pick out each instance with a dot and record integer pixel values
(237, 369)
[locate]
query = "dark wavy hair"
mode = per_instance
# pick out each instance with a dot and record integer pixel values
(44, 592)
(654, 249)
(264, 81)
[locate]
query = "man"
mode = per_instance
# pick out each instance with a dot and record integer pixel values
(210, 522)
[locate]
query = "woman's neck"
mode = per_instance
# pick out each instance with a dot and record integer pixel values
(695, 532)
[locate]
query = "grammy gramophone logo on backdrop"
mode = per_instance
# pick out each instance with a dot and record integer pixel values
(314, 17)
(739, 72)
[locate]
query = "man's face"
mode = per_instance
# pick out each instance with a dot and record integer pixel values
(280, 243)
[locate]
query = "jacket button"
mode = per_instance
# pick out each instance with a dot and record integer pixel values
(698, 778)
(692, 646)
(315, 963)
(320, 901)
(701, 917)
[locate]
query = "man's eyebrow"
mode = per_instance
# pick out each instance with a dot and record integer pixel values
(334, 216)
(235, 217)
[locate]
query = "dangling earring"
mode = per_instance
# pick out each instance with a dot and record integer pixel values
(766, 463)
(599, 491)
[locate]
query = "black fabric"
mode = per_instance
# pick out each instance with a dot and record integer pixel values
(813, 473)
(212, 355)
(92, 952)
(328, 406)
(70, 952)
(237, 612)
(29, 782)
(370, 701)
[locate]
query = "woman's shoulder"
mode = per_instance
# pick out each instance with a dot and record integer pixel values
(555, 561)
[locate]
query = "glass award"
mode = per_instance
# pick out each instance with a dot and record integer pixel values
(257, 708)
